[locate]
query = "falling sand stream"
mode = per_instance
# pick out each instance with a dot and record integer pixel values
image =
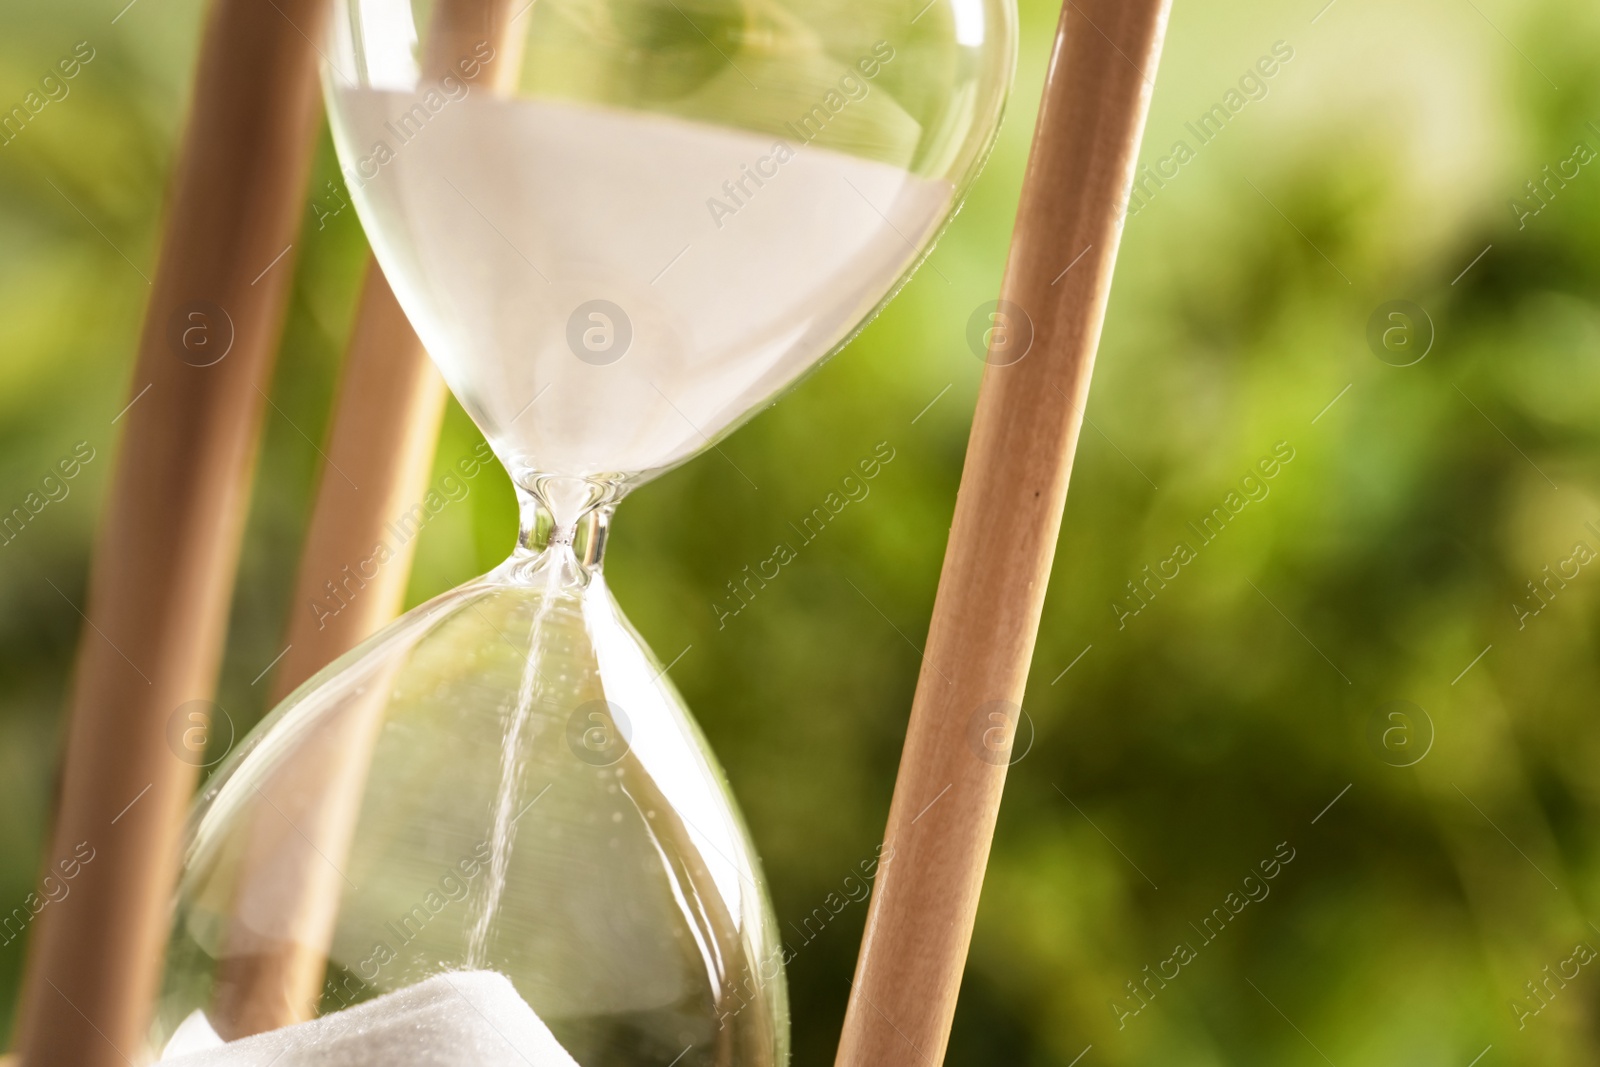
(512, 763)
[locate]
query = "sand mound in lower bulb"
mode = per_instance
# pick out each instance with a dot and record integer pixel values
(467, 1018)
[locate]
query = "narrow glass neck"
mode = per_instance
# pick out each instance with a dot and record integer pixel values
(583, 536)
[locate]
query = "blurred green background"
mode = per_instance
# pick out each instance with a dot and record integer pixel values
(1187, 743)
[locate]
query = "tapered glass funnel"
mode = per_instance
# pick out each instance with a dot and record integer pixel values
(622, 225)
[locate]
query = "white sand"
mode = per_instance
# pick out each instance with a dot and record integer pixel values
(500, 218)
(466, 1019)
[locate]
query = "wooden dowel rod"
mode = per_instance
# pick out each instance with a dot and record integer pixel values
(385, 422)
(385, 425)
(1007, 517)
(165, 555)
(351, 581)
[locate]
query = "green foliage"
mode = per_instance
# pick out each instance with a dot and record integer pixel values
(1186, 741)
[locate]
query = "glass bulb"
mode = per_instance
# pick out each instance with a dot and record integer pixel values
(503, 780)
(620, 226)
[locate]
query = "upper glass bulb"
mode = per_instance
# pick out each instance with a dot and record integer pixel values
(620, 226)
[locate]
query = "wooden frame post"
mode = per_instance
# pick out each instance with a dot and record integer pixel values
(385, 421)
(164, 561)
(383, 432)
(381, 443)
(1007, 517)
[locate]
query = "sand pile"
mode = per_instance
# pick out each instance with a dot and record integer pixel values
(465, 1019)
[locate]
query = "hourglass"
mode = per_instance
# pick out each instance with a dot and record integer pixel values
(492, 833)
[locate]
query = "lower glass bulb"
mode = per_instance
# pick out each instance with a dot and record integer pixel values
(492, 824)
